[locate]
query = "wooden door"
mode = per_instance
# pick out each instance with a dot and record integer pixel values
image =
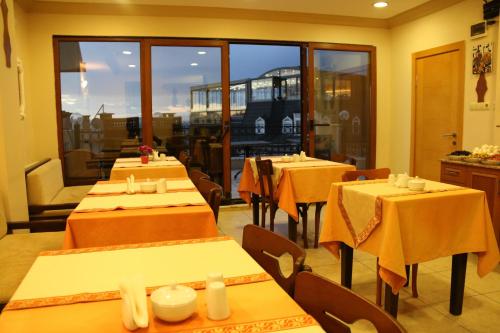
(438, 94)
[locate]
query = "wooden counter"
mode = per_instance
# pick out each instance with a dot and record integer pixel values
(478, 176)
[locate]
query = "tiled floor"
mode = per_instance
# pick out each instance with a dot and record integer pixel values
(428, 312)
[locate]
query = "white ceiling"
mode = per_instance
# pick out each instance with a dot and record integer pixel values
(358, 8)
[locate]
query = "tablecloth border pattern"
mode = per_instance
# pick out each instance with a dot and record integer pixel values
(271, 325)
(115, 294)
(135, 246)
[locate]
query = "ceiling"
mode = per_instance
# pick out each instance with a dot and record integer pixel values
(356, 8)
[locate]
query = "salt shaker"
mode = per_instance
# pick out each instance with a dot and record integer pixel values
(161, 186)
(217, 304)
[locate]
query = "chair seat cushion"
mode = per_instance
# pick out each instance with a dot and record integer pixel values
(17, 254)
(71, 194)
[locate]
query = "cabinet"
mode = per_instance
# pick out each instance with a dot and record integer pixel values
(478, 176)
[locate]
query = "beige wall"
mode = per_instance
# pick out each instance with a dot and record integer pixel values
(12, 140)
(43, 26)
(441, 28)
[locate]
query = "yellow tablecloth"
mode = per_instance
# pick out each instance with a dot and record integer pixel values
(103, 228)
(418, 228)
(149, 171)
(257, 305)
(297, 185)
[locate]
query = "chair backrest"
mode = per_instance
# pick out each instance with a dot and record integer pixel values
(265, 172)
(367, 174)
(196, 175)
(342, 158)
(266, 247)
(333, 305)
(184, 159)
(44, 182)
(212, 192)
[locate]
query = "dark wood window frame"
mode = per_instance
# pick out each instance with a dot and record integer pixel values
(306, 51)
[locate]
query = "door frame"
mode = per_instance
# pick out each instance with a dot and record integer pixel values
(147, 105)
(460, 47)
(372, 51)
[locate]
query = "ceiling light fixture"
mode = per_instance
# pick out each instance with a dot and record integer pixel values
(202, 52)
(194, 64)
(127, 52)
(131, 66)
(380, 4)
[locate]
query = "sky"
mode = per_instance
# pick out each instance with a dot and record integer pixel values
(112, 77)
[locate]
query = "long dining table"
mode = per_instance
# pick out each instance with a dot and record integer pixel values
(301, 182)
(77, 290)
(110, 216)
(403, 227)
(168, 168)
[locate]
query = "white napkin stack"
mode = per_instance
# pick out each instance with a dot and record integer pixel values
(302, 156)
(130, 184)
(134, 303)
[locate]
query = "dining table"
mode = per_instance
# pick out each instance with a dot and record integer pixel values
(170, 167)
(108, 215)
(295, 182)
(403, 227)
(77, 290)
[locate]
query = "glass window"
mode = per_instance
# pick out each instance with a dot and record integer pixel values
(100, 105)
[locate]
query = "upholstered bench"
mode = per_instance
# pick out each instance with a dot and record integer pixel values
(48, 198)
(18, 252)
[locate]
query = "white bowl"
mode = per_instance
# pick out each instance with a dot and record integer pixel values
(416, 185)
(174, 303)
(148, 187)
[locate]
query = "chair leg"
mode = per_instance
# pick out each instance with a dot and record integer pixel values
(317, 217)
(414, 271)
(407, 269)
(263, 213)
(272, 213)
(304, 225)
(378, 299)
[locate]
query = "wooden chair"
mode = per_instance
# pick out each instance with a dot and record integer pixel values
(212, 192)
(265, 171)
(185, 159)
(196, 175)
(342, 158)
(266, 247)
(333, 305)
(381, 174)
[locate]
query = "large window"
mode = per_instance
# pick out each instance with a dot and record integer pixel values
(220, 101)
(100, 104)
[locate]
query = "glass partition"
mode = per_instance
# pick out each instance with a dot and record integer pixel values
(187, 104)
(342, 105)
(100, 106)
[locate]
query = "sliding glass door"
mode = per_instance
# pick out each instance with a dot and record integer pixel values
(341, 103)
(187, 102)
(219, 100)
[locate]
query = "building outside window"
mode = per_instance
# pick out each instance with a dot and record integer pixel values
(262, 89)
(260, 126)
(287, 125)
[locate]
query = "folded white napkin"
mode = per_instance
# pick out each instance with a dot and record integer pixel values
(134, 303)
(131, 184)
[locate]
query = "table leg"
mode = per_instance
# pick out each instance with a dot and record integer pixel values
(391, 301)
(255, 208)
(458, 270)
(292, 229)
(346, 265)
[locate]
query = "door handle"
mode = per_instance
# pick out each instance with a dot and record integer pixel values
(452, 134)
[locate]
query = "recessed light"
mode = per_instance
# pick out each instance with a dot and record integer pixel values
(131, 66)
(127, 52)
(202, 52)
(380, 4)
(194, 64)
